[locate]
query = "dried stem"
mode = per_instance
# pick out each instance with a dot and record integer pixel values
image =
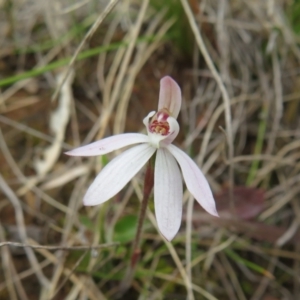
(55, 248)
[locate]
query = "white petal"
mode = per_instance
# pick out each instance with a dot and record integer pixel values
(195, 180)
(117, 174)
(167, 194)
(169, 96)
(109, 144)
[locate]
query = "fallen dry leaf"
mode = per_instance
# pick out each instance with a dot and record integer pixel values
(248, 202)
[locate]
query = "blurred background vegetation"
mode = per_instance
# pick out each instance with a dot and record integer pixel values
(252, 250)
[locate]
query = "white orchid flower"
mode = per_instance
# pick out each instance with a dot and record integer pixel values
(162, 128)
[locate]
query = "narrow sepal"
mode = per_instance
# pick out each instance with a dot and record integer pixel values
(195, 180)
(117, 174)
(109, 144)
(167, 194)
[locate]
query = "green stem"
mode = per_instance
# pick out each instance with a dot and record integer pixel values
(259, 144)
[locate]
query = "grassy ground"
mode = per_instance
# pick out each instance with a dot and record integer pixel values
(72, 72)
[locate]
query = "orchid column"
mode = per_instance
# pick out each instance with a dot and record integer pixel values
(162, 128)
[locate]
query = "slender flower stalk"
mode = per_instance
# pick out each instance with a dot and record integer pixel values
(148, 186)
(162, 128)
(136, 251)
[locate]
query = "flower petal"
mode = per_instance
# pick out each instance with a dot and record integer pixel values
(109, 144)
(169, 96)
(117, 174)
(195, 180)
(167, 194)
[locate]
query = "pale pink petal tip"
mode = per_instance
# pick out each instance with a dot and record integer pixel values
(169, 96)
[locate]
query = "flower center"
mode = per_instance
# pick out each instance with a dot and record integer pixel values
(159, 124)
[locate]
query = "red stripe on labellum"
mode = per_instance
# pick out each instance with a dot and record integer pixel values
(159, 122)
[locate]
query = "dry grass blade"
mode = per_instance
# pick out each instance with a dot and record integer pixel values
(5, 256)
(55, 248)
(90, 33)
(221, 85)
(22, 231)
